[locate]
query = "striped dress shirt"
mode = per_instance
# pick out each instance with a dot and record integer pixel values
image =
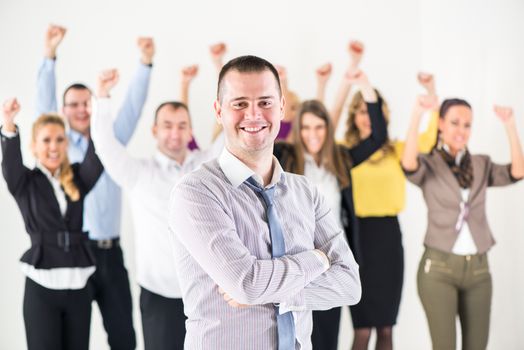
(221, 238)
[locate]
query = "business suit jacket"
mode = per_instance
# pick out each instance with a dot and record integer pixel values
(443, 197)
(50, 248)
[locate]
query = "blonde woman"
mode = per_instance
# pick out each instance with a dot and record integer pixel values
(59, 263)
(379, 196)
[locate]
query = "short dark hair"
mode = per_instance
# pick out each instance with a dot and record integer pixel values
(174, 106)
(75, 86)
(247, 64)
(451, 102)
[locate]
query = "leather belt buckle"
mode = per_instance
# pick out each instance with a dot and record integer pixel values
(104, 243)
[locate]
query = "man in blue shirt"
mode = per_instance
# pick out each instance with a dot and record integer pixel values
(103, 204)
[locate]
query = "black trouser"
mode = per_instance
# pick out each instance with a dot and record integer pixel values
(111, 292)
(57, 319)
(325, 329)
(163, 321)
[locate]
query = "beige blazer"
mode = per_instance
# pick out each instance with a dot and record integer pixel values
(443, 197)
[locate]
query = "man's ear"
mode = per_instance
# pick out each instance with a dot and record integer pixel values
(218, 111)
(282, 107)
(154, 130)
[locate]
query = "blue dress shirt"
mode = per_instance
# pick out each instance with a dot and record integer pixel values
(103, 205)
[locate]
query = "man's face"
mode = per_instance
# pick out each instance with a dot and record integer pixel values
(77, 109)
(172, 131)
(250, 111)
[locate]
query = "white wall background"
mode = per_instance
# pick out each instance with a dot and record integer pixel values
(474, 48)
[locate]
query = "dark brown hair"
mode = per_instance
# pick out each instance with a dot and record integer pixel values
(247, 64)
(330, 155)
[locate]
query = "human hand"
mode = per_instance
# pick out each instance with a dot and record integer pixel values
(230, 300)
(356, 50)
(217, 52)
(147, 49)
(10, 109)
(427, 81)
(189, 73)
(107, 79)
(323, 73)
(505, 114)
(53, 38)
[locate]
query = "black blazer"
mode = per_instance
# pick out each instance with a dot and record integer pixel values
(56, 240)
(352, 157)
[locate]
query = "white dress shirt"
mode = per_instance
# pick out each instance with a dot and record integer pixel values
(147, 183)
(327, 184)
(221, 238)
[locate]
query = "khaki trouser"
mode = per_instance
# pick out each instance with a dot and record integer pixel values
(451, 285)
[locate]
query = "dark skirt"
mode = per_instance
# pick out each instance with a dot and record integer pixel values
(381, 272)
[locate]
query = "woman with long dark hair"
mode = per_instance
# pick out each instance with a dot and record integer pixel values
(453, 276)
(315, 154)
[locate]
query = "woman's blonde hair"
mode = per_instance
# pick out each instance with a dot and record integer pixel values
(352, 135)
(66, 172)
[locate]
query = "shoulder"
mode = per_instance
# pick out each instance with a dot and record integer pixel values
(207, 178)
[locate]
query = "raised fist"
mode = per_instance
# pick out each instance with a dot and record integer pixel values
(9, 110)
(427, 81)
(53, 38)
(147, 49)
(324, 72)
(504, 113)
(356, 50)
(189, 73)
(107, 79)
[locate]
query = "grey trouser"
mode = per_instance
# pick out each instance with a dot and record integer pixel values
(451, 285)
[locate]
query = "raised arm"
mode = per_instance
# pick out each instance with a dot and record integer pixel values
(409, 159)
(13, 169)
(217, 52)
(187, 74)
(46, 80)
(356, 50)
(505, 114)
(123, 168)
(127, 118)
(323, 74)
(362, 151)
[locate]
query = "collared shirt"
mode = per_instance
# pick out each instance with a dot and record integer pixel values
(221, 238)
(327, 184)
(464, 245)
(147, 183)
(102, 206)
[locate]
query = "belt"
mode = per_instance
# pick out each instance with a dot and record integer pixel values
(62, 239)
(105, 243)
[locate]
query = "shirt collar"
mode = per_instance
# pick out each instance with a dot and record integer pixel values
(166, 162)
(237, 172)
(47, 173)
(75, 136)
(459, 155)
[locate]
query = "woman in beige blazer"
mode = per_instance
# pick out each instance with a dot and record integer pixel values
(453, 276)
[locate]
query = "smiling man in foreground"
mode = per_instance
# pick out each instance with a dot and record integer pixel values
(257, 249)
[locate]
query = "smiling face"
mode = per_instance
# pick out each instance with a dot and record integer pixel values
(250, 110)
(455, 128)
(172, 131)
(77, 109)
(49, 146)
(313, 131)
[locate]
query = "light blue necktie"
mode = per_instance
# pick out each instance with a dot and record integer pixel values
(285, 322)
